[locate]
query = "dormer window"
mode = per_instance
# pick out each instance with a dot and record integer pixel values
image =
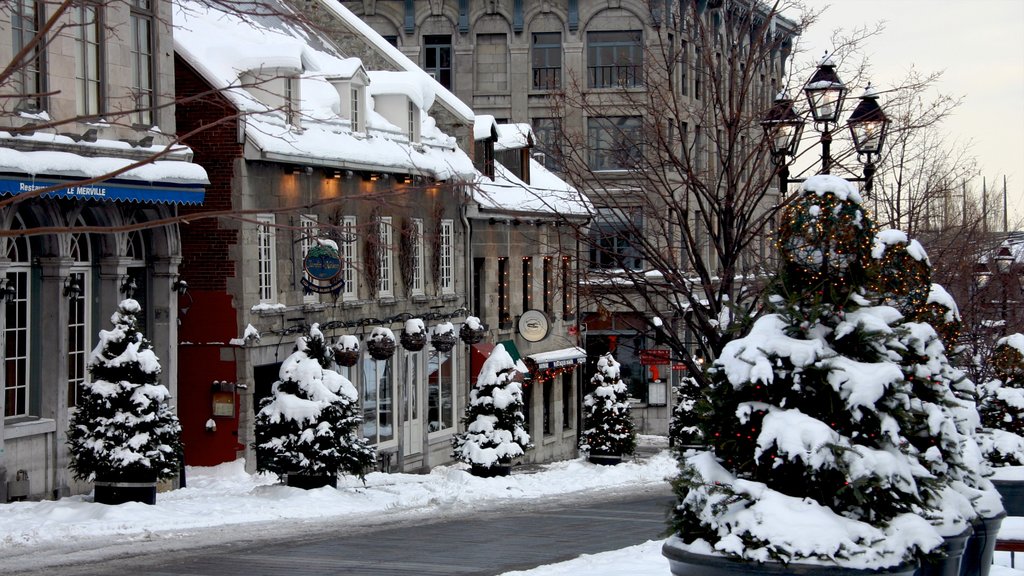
(277, 89)
(291, 100)
(414, 120)
(354, 114)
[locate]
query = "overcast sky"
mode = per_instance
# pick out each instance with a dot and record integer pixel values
(979, 44)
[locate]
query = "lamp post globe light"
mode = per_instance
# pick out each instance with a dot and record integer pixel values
(825, 93)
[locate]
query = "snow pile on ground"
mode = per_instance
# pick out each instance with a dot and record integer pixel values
(227, 495)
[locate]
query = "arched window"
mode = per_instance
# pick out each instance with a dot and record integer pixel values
(16, 325)
(78, 316)
(138, 279)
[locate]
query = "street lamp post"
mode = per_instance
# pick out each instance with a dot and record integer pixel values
(825, 93)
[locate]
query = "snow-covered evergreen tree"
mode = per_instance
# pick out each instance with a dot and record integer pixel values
(309, 425)
(123, 426)
(494, 415)
(608, 427)
(684, 426)
(834, 408)
(1001, 403)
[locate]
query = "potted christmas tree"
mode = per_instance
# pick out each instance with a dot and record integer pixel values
(1001, 404)
(493, 419)
(123, 434)
(609, 432)
(817, 461)
(307, 430)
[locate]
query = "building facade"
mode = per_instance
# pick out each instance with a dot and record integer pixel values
(87, 167)
(627, 100)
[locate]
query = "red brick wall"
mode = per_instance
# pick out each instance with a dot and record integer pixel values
(206, 244)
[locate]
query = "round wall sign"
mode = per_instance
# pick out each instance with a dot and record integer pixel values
(322, 263)
(533, 325)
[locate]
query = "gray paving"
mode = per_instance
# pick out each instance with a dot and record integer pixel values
(489, 544)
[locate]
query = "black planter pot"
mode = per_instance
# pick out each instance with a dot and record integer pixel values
(953, 550)
(977, 560)
(685, 563)
(490, 472)
(604, 458)
(310, 481)
(118, 489)
(1012, 492)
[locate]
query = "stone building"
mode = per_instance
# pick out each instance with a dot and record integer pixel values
(88, 165)
(603, 83)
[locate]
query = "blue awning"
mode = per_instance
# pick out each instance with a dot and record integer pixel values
(108, 190)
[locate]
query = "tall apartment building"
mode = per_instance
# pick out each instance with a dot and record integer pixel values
(649, 106)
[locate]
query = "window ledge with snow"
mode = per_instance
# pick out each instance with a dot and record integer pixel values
(28, 426)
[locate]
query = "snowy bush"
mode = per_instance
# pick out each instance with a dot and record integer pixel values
(835, 433)
(1001, 403)
(123, 425)
(310, 422)
(608, 427)
(494, 415)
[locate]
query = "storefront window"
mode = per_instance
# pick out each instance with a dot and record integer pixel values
(377, 400)
(441, 390)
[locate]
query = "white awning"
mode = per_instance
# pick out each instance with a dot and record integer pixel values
(559, 358)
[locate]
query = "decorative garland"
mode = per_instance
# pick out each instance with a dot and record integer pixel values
(406, 252)
(372, 252)
(435, 245)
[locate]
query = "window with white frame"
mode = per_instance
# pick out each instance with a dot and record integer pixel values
(350, 291)
(17, 328)
(78, 318)
(143, 61)
(308, 230)
(266, 272)
(441, 375)
(88, 56)
(377, 400)
(413, 121)
(385, 278)
(417, 257)
(445, 246)
(354, 114)
(29, 79)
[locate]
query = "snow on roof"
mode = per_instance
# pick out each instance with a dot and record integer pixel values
(546, 193)
(483, 126)
(514, 136)
(445, 96)
(412, 85)
(222, 45)
(70, 165)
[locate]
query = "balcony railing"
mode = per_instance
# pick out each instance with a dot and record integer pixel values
(618, 76)
(547, 78)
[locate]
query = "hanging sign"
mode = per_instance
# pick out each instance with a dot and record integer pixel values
(323, 270)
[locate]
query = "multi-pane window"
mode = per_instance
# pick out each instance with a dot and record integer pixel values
(441, 390)
(143, 61)
(16, 329)
(547, 133)
(266, 264)
(27, 18)
(615, 59)
(698, 66)
(377, 400)
(308, 231)
(354, 113)
(614, 240)
(349, 240)
(413, 117)
(385, 257)
(615, 142)
(684, 66)
(546, 56)
(417, 257)
(437, 58)
(527, 283)
(504, 314)
(88, 64)
(446, 259)
(78, 319)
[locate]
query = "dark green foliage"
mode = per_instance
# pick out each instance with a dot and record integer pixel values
(608, 427)
(124, 427)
